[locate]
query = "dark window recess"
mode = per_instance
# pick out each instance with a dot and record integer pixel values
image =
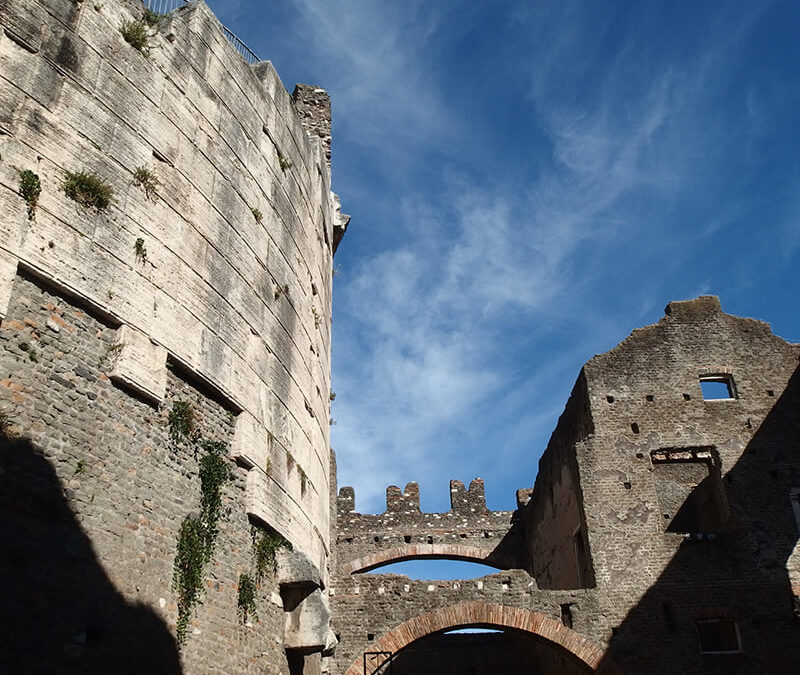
(566, 615)
(686, 397)
(407, 539)
(650, 398)
(296, 661)
(690, 490)
(717, 387)
(370, 636)
(770, 392)
(718, 636)
(635, 428)
(627, 485)
(610, 399)
(377, 539)
(430, 539)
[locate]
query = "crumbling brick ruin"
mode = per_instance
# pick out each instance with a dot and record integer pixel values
(659, 536)
(167, 490)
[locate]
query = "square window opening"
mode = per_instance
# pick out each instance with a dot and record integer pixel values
(718, 636)
(717, 387)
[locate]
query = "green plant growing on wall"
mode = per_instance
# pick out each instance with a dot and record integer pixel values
(284, 161)
(152, 18)
(140, 251)
(33, 356)
(88, 189)
(246, 600)
(187, 573)
(135, 34)
(181, 421)
(147, 180)
(317, 318)
(80, 467)
(281, 290)
(29, 189)
(266, 545)
(198, 535)
(214, 473)
(259, 217)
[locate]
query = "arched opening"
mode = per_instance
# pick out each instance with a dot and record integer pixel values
(420, 552)
(432, 569)
(485, 652)
(542, 640)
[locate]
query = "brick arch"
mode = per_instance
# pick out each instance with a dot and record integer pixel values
(492, 616)
(419, 551)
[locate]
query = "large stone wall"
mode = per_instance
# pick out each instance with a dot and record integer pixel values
(370, 610)
(224, 274)
(652, 425)
(93, 495)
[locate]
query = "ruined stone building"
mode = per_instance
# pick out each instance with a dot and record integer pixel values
(168, 498)
(660, 536)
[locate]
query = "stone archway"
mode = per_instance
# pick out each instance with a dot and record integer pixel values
(419, 551)
(494, 616)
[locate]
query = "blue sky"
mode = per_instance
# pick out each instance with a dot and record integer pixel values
(529, 182)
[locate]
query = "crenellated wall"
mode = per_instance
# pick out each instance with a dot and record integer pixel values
(469, 531)
(222, 274)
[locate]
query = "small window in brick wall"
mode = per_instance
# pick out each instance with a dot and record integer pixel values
(718, 636)
(717, 387)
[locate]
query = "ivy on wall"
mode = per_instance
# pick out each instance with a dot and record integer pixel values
(198, 534)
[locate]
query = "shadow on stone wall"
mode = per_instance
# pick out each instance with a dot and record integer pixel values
(60, 613)
(740, 575)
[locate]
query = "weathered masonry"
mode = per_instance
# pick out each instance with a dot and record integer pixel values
(660, 536)
(167, 489)
(166, 245)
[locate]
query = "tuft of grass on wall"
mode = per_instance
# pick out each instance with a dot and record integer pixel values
(147, 180)
(135, 34)
(88, 189)
(152, 18)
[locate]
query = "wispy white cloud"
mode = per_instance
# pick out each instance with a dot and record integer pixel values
(426, 353)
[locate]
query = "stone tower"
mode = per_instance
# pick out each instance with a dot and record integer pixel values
(168, 229)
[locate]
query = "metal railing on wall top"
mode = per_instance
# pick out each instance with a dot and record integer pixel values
(167, 6)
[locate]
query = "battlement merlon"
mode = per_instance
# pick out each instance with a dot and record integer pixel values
(468, 531)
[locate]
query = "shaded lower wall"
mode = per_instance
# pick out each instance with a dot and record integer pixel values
(92, 495)
(498, 653)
